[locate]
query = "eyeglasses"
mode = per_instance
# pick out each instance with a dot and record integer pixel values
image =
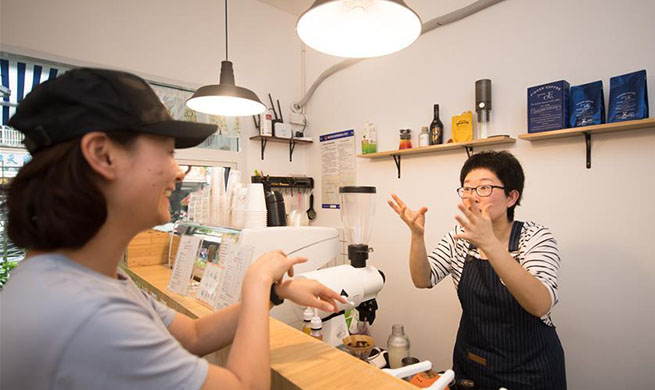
(483, 190)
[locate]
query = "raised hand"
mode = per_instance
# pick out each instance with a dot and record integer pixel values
(478, 228)
(308, 292)
(414, 219)
(273, 265)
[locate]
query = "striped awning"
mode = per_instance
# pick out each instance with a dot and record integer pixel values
(19, 77)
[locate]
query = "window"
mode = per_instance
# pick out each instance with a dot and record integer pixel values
(19, 74)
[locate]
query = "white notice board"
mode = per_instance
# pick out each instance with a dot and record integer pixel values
(337, 165)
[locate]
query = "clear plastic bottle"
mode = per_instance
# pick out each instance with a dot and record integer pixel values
(397, 346)
(372, 137)
(317, 328)
(307, 320)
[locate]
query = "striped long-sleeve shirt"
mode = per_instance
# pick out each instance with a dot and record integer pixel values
(537, 253)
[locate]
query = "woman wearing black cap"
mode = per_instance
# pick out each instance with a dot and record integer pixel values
(102, 171)
(505, 273)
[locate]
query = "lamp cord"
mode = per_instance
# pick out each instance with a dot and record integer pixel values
(225, 30)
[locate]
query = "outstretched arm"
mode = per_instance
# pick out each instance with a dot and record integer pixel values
(246, 325)
(419, 266)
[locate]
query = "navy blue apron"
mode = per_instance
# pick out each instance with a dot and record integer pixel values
(499, 344)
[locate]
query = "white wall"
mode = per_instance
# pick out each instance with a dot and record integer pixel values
(602, 217)
(171, 41)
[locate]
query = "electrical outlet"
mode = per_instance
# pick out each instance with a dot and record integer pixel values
(297, 119)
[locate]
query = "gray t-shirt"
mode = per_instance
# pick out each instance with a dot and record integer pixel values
(64, 326)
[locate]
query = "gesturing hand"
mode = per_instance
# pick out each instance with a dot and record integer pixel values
(273, 265)
(414, 219)
(308, 292)
(478, 229)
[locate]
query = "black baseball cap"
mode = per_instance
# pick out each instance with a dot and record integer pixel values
(83, 100)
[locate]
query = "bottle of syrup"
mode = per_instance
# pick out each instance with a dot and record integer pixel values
(436, 128)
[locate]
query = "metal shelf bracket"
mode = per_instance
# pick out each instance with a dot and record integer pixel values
(396, 159)
(587, 140)
(263, 145)
(469, 151)
(292, 146)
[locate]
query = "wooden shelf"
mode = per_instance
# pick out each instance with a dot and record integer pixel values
(443, 147)
(596, 129)
(281, 140)
(587, 131)
(264, 139)
(468, 146)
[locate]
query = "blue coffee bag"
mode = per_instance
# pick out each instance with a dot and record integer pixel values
(587, 105)
(628, 97)
(548, 106)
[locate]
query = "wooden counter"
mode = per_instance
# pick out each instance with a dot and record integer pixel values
(297, 360)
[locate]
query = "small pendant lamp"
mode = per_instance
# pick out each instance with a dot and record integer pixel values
(226, 98)
(359, 28)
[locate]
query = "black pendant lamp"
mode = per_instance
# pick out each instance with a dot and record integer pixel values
(359, 28)
(226, 98)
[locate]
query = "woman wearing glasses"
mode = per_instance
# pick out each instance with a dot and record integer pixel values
(505, 273)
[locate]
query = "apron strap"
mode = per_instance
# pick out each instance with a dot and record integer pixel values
(514, 236)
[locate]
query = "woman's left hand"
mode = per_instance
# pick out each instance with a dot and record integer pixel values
(478, 229)
(308, 292)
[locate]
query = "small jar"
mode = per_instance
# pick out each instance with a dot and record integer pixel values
(405, 139)
(424, 137)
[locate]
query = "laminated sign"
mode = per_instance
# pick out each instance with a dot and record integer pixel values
(337, 165)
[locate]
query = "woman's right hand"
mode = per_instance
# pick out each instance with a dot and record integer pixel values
(272, 266)
(414, 219)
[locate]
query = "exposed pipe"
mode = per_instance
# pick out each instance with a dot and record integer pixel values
(427, 26)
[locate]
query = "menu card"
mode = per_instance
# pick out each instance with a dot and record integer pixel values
(235, 264)
(184, 261)
(208, 290)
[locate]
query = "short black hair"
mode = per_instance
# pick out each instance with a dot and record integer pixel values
(505, 166)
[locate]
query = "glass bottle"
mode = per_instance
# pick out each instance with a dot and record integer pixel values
(424, 137)
(436, 128)
(307, 320)
(372, 138)
(405, 139)
(317, 328)
(365, 145)
(397, 346)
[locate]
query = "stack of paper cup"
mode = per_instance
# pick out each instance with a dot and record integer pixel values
(217, 185)
(229, 206)
(240, 202)
(256, 206)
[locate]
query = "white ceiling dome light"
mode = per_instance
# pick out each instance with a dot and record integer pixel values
(359, 28)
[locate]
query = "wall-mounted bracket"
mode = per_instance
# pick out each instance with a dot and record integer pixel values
(292, 146)
(263, 145)
(396, 159)
(587, 140)
(263, 140)
(469, 151)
